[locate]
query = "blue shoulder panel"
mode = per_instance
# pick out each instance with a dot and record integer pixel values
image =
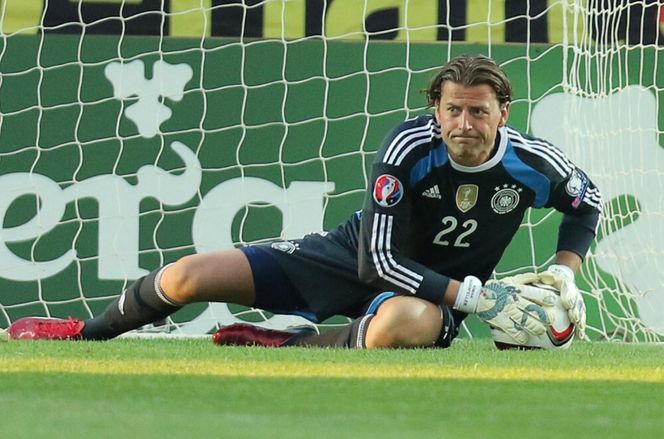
(437, 157)
(527, 175)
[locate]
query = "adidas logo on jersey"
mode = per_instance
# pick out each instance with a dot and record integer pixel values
(432, 192)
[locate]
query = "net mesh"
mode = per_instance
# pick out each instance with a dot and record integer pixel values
(610, 118)
(237, 122)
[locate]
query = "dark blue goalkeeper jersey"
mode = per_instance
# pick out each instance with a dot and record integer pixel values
(427, 219)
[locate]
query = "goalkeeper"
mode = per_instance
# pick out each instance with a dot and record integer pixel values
(447, 193)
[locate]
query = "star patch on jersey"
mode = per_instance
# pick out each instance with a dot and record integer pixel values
(466, 196)
(387, 190)
(505, 199)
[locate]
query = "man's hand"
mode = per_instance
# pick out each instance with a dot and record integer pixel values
(561, 278)
(503, 306)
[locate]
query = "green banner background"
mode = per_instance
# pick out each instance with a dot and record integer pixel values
(307, 110)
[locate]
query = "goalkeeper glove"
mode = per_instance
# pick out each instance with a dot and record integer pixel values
(500, 305)
(561, 277)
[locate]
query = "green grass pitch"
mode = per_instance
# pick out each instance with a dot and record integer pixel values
(192, 389)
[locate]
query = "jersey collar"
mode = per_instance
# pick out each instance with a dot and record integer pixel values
(435, 128)
(501, 144)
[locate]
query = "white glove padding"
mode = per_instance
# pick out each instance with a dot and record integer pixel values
(522, 279)
(561, 278)
(502, 306)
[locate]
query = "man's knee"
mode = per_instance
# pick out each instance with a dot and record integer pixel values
(405, 322)
(179, 281)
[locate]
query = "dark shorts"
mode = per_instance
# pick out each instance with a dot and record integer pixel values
(316, 278)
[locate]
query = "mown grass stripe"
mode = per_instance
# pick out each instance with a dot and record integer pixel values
(320, 369)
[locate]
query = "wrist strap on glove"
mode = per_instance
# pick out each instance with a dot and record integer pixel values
(468, 295)
(562, 270)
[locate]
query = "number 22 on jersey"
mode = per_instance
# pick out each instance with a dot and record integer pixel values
(451, 224)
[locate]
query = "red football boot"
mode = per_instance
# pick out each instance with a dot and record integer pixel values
(244, 334)
(43, 328)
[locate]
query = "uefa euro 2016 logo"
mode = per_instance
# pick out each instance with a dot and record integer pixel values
(387, 191)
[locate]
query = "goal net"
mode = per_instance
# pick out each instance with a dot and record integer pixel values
(609, 119)
(134, 133)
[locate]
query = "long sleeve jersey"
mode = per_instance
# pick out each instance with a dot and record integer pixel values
(427, 219)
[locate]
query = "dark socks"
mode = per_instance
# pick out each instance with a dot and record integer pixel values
(142, 303)
(350, 336)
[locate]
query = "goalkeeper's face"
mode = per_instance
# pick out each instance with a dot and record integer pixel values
(469, 119)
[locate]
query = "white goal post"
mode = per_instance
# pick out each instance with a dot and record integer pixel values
(132, 134)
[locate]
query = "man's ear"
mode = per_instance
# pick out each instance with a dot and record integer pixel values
(436, 109)
(504, 114)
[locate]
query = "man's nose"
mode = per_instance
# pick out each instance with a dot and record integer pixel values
(464, 121)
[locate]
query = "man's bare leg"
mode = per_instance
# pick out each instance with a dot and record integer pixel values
(400, 322)
(222, 277)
